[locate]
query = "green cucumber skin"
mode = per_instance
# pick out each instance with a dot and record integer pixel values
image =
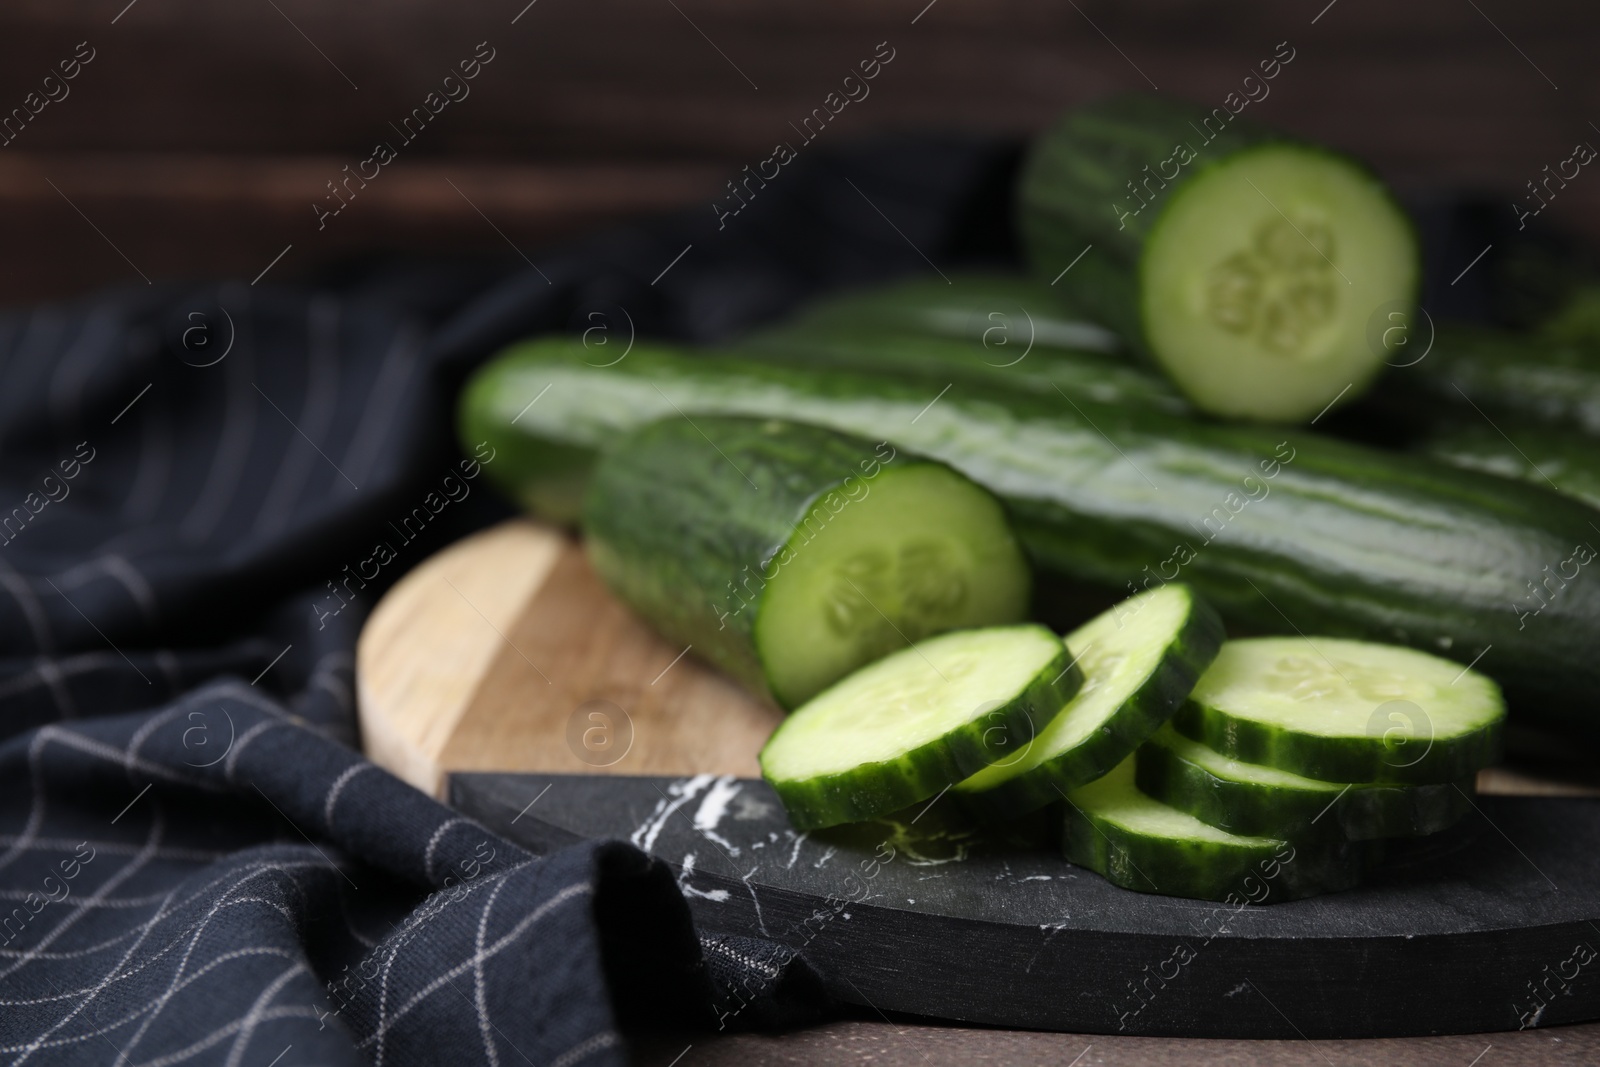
(1141, 715)
(1511, 375)
(1211, 870)
(675, 530)
(1363, 812)
(873, 789)
(1050, 372)
(1337, 760)
(1074, 184)
(1570, 461)
(992, 310)
(1348, 541)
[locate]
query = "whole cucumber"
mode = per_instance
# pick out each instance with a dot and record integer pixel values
(1283, 530)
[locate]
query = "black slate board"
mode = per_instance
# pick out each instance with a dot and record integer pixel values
(1494, 926)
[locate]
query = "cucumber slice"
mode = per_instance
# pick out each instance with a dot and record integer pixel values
(1345, 711)
(789, 555)
(902, 729)
(1139, 660)
(1141, 844)
(1247, 264)
(1245, 798)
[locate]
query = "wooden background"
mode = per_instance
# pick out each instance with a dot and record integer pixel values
(200, 135)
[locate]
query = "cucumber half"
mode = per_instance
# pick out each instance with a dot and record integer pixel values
(1345, 711)
(1245, 798)
(1249, 265)
(788, 554)
(1139, 660)
(1138, 843)
(902, 729)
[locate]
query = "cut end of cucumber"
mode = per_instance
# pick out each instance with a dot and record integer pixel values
(1261, 276)
(916, 550)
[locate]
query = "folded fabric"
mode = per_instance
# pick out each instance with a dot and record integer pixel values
(196, 863)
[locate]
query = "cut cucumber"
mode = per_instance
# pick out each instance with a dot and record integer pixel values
(902, 729)
(1345, 711)
(1246, 798)
(789, 555)
(1139, 661)
(1247, 264)
(1141, 844)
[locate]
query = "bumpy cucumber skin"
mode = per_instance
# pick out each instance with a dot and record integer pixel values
(1141, 715)
(1349, 541)
(1361, 812)
(1506, 375)
(675, 529)
(873, 789)
(1568, 460)
(1337, 759)
(1204, 870)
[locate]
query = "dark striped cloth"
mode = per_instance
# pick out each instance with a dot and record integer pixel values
(196, 863)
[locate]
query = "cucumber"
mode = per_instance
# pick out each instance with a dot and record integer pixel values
(1007, 314)
(1051, 372)
(900, 730)
(1506, 375)
(1280, 530)
(1345, 711)
(1568, 462)
(1246, 798)
(1246, 264)
(1139, 661)
(1141, 844)
(789, 555)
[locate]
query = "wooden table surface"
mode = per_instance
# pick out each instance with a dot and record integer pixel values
(887, 1044)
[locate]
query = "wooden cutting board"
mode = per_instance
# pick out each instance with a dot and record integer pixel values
(505, 653)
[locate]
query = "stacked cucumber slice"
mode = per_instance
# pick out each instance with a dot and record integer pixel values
(1247, 771)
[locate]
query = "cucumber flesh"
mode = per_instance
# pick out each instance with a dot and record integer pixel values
(1139, 660)
(902, 729)
(1345, 711)
(1246, 798)
(1138, 843)
(926, 550)
(1259, 278)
